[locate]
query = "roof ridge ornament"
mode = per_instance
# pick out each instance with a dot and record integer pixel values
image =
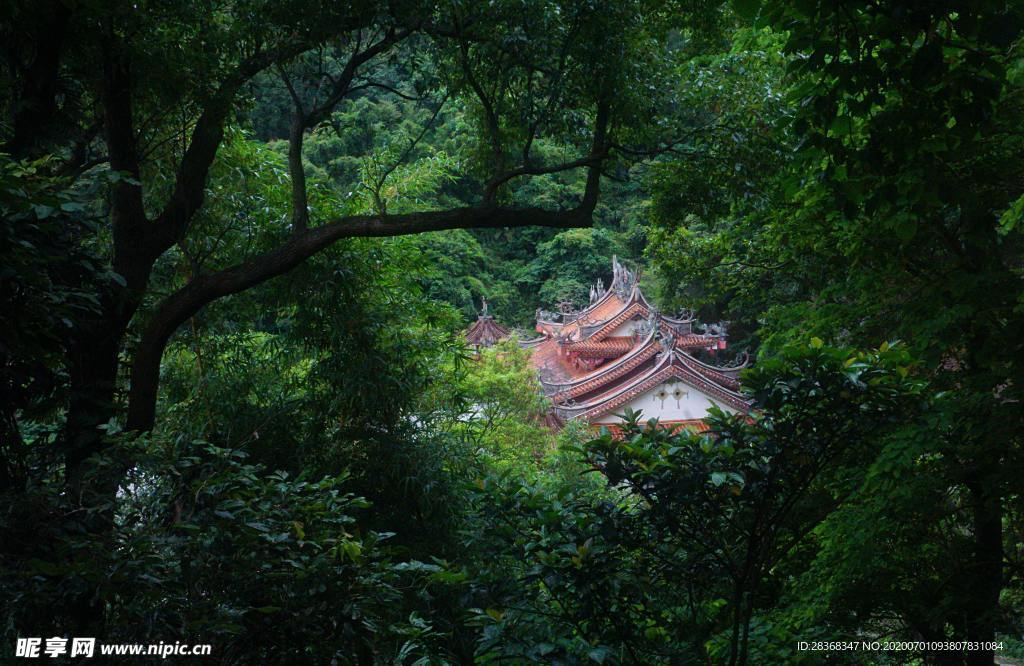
(717, 330)
(686, 314)
(547, 315)
(649, 325)
(738, 362)
(623, 279)
(666, 335)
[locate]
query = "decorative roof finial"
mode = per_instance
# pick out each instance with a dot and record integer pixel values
(483, 309)
(623, 279)
(667, 339)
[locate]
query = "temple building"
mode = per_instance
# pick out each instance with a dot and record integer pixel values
(620, 353)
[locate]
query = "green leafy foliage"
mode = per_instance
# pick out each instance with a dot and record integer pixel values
(332, 477)
(506, 413)
(687, 547)
(262, 565)
(49, 282)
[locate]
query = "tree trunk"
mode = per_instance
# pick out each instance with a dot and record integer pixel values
(94, 365)
(91, 511)
(37, 105)
(92, 492)
(987, 569)
(737, 620)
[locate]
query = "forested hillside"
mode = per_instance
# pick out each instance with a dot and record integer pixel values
(240, 243)
(392, 148)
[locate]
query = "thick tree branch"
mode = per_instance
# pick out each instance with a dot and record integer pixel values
(190, 299)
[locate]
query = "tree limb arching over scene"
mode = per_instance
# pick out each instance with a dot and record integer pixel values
(140, 237)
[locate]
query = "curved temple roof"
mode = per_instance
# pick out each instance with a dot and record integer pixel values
(670, 364)
(598, 359)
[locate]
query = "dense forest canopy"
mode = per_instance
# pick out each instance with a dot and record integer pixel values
(240, 241)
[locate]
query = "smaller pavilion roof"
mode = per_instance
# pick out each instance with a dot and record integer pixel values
(485, 332)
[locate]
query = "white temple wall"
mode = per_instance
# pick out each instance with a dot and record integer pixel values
(625, 329)
(669, 401)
